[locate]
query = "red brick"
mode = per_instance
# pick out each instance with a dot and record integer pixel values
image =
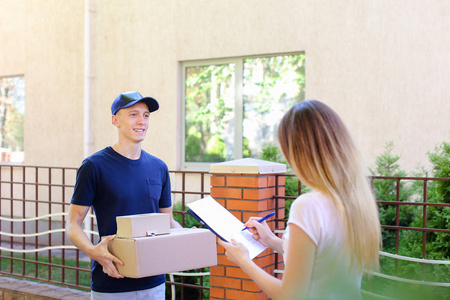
(271, 181)
(281, 180)
(246, 205)
(258, 214)
(221, 202)
(220, 249)
(257, 194)
(217, 270)
(218, 181)
(236, 273)
(226, 282)
(228, 193)
(223, 260)
(239, 295)
(216, 292)
(250, 286)
(248, 215)
(264, 261)
(237, 214)
(244, 181)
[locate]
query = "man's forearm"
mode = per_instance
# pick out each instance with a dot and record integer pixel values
(79, 238)
(174, 224)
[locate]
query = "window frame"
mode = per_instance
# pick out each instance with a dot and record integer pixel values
(238, 104)
(22, 76)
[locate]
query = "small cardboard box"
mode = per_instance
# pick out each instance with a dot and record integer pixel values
(182, 249)
(142, 225)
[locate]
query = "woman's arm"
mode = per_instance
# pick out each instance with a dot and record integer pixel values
(298, 266)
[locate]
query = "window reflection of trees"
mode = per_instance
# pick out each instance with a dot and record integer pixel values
(12, 111)
(269, 85)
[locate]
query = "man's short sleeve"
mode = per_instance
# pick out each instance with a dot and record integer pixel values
(166, 194)
(84, 191)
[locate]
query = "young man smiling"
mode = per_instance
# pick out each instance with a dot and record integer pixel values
(120, 180)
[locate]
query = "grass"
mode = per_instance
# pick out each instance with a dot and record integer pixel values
(47, 271)
(18, 266)
(408, 290)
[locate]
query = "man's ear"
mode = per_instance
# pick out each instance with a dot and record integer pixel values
(115, 121)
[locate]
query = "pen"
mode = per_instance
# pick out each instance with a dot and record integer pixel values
(262, 219)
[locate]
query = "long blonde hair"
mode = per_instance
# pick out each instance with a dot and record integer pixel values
(321, 152)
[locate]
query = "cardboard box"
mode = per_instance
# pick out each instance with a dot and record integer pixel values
(182, 249)
(142, 225)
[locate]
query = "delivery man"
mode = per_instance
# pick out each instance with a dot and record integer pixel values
(120, 180)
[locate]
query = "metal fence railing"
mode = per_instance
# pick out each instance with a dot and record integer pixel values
(405, 205)
(33, 208)
(34, 203)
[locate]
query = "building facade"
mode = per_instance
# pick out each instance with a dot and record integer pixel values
(382, 65)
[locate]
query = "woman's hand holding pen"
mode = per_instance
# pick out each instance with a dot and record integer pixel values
(261, 231)
(238, 253)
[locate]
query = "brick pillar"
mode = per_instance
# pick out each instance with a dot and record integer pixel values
(246, 188)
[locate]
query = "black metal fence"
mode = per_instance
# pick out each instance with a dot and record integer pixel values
(35, 199)
(33, 208)
(406, 205)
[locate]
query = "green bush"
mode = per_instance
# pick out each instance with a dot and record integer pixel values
(271, 152)
(189, 293)
(437, 243)
(386, 190)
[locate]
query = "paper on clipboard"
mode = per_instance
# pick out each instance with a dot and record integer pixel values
(224, 224)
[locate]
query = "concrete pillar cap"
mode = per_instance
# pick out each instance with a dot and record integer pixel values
(248, 166)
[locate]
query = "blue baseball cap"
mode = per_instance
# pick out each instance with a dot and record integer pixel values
(128, 99)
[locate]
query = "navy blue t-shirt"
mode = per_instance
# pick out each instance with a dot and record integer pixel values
(117, 186)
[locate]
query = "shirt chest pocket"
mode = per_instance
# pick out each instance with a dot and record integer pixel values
(154, 188)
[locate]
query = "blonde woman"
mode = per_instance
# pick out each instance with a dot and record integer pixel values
(333, 232)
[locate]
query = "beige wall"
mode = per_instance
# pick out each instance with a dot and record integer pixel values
(43, 40)
(383, 65)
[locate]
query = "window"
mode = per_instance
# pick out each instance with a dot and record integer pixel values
(12, 112)
(231, 107)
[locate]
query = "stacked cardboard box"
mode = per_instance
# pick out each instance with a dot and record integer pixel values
(147, 246)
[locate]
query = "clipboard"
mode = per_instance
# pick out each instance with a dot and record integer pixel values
(224, 224)
(195, 216)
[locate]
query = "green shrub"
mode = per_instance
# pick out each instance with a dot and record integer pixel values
(437, 243)
(189, 293)
(271, 152)
(387, 165)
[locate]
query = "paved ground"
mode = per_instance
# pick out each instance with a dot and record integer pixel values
(16, 289)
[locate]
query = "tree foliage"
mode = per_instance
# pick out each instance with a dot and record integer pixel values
(387, 165)
(270, 85)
